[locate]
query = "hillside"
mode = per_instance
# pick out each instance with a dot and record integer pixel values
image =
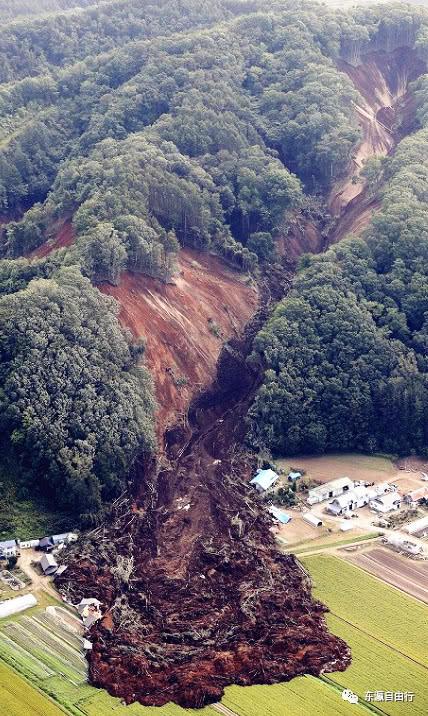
(164, 170)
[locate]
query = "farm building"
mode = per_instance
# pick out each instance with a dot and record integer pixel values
(346, 526)
(8, 548)
(264, 480)
(279, 515)
(312, 519)
(89, 610)
(329, 490)
(418, 527)
(19, 604)
(49, 564)
(386, 503)
(293, 476)
(400, 543)
(414, 496)
(46, 544)
(29, 543)
(358, 497)
(64, 538)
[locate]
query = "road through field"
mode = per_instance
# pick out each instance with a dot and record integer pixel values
(410, 577)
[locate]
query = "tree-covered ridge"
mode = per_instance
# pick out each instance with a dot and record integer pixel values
(221, 114)
(73, 402)
(10, 10)
(346, 352)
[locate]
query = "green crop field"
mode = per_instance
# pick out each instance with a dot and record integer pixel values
(386, 630)
(382, 611)
(18, 698)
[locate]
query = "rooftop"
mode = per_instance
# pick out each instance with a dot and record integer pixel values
(337, 484)
(265, 478)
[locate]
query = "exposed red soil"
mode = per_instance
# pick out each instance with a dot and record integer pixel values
(63, 238)
(185, 324)
(303, 237)
(385, 110)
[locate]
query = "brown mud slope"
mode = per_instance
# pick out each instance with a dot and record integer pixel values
(64, 237)
(195, 594)
(385, 113)
(185, 324)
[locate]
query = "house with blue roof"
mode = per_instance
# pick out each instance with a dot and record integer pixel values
(264, 480)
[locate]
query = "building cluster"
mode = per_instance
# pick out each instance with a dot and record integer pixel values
(344, 496)
(49, 545)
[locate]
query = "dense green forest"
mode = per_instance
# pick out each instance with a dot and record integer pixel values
(10, 10)
(152, 126)
(346, 351)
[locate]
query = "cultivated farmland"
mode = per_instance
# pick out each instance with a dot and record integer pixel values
(381, 611)
(386, 631)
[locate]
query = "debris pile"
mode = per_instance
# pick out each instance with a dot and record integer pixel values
(195, 594)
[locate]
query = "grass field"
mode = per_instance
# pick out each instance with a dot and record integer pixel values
(18, 698)
(386, 631)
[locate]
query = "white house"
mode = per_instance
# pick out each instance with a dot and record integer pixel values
(329, 490)
(264, 480)
(358, 497)
(29, 543)
(8, 548)
(386, 503)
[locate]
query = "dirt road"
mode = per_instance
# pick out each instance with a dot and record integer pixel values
(39, 581)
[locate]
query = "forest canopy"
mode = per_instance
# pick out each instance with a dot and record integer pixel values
(345, 354)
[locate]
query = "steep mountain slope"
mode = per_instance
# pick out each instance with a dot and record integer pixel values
(382, 80)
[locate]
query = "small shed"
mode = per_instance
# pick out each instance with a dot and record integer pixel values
(312, 519)
(415, 495)
(346, 526)
(279, 515)
(46, 544)
(264, 480)
(49, 564)
(8, 548)
(293, 476)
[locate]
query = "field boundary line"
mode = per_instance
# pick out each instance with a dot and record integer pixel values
(222, 709)
(338, 687)
(385, 643)
(37, 688)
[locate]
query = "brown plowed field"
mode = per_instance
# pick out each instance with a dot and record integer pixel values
(409, 575)
(184, 324)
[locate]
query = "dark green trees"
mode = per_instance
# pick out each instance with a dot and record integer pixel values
(73, 401)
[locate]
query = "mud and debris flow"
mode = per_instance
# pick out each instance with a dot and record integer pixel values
(195, 594)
